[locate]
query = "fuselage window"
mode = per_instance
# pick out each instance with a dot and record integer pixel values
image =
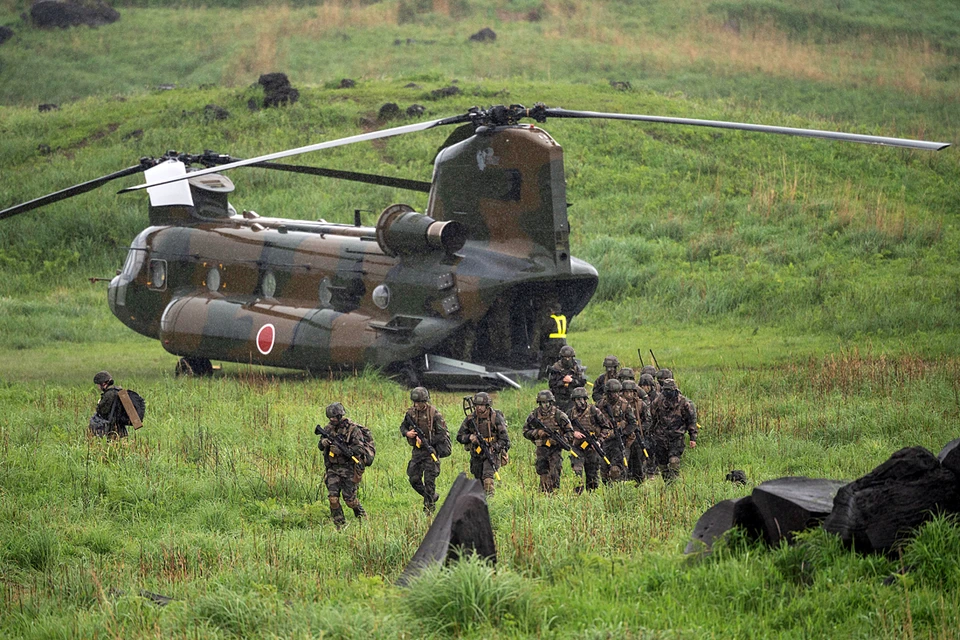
(158, 275)
(213, 279)
(268, 285)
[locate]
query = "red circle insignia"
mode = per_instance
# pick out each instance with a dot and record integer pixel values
(265, 338)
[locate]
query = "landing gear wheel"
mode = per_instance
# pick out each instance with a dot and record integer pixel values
(194, 367)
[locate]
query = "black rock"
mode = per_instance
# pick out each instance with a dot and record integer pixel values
(415, 110)
(214, 112)
(621, 85)
(347, 83)
(737, 476)
(411, 85)
(714, 522)
(876, 511)
(484, 35)
(445, 92)
(792, 504)
(462, 525)
(5, 34)
(49, 14)
(277, 90)
(949, 457)
(274, 82)
(388, 111)
(43, 108)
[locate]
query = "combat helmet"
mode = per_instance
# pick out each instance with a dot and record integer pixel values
(669, 385)
(546, 396)
(482, 398)
(579, 392)
(612, 386)
(664, 374)
(625, 374)
(646, 380)
(419, 394)
(650, 369)
(102, 377)
(335, 410)
(566, 351)
(611, 362)
(629, 385)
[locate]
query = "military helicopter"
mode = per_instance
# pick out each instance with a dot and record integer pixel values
(475, 291)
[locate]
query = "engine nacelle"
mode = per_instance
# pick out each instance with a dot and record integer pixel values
(401, 231)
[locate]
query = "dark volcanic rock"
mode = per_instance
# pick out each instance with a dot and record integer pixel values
(737, 476)
(48, 106)
(214, 112)
(445, 92)
(621, 85)
(484, 35)
(277, 90)
(714, 522)
(347, 83)
(388, 111)
(5, 34)
(886, 505)
(789, 505)
(462, 525)
(949, 457)
(49, 14)
(415, 110)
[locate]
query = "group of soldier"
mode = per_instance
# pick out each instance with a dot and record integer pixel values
(631, 431)
(625, 430)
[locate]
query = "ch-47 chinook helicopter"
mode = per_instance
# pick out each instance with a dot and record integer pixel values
(468, 293)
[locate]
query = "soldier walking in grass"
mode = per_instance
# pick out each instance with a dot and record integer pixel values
(483, 433)
(426, 433)
(549, 429)
(642, 464)
(649, 385)
(673, 416)
(623, 422)
(104, 422)
(344, 449)
(611, 366)
(588, 424)
(564, 376)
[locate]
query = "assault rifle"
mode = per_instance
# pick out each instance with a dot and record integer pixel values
(411, 425)
(337, 441)
(482, 445)
(590, 439)
(556, 436)
(617, 431)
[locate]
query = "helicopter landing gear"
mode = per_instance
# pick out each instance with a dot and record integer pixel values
(194, 367)
(408, 374)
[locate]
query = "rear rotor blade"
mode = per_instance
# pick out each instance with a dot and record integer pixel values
(373, 135)
(69, 192)
(790, 131)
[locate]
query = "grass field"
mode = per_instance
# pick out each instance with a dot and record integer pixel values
(805, 293)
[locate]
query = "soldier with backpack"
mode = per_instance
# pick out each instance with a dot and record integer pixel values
(117, 409)
(426, 433)
(344, 448)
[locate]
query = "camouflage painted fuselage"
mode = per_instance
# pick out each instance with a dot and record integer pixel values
(469, 279)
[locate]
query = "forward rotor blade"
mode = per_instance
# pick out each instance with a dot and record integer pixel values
(373, 135)
(790, 131)
(353, 176)
(69, 192)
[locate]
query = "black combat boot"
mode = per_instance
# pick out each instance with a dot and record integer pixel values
(359, 512)
(339, 521)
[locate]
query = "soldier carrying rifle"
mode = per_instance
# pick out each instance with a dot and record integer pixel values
(590, 428)
(549, 428)
(426, 433)
(345, 453)
(483, 433)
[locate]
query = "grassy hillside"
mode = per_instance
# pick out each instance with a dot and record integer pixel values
(806, 294)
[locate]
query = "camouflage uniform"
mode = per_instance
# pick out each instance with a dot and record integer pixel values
(423, 470)
(565, 366)
(627, 374)
(620, 415)
(642, 464)
(104, 421)
(650, 386)
(492, 427)
(671, 419)
(341, 478)
(549, 460)
(611, 365)
(585, 416)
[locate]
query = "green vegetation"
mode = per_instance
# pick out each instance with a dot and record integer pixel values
(806, 293)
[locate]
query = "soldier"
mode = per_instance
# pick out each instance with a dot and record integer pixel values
(611, 365)
(343, 450)
(639, 455)
(627, 374)
(623, 422)
(565, 376)
(649, 385)
(651, 371)
(672, 415)
(548, 428)
(104, 422)
(587, 420)
(663, 375)
(424, 465)
(492, 428)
